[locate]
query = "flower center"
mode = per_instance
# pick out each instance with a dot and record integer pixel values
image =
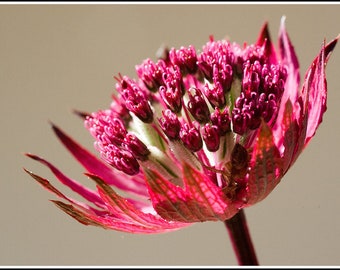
(189, 106)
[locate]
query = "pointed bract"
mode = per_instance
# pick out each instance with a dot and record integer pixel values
(264, 39)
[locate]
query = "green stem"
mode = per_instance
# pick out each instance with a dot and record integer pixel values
(240, 239)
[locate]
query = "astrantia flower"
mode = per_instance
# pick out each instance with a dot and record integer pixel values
(198, 136)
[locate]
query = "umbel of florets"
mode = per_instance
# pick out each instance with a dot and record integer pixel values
(197, 135)
(203, 102)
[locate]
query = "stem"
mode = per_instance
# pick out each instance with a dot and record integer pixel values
(240, 239)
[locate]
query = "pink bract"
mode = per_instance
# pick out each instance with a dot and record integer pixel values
(197, 137)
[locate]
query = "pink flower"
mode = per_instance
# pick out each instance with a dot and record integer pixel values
(198, 136)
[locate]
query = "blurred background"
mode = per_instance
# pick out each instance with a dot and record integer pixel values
(58, 57)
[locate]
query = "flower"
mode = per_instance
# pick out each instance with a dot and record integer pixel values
(198, 136)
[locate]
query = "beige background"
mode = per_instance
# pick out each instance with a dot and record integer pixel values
(55, 58)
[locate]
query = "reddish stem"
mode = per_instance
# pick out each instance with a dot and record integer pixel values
(240, 239)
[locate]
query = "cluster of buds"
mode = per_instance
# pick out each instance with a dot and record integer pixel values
(203, 102)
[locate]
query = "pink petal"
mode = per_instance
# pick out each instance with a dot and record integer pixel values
(265, 39)
(313, 98)
(266, 167)
(116, 220)
(80, 216)
(86, 193)
(208, 194)
(107, 222)
(47, 185)
(291, 92)
(199, 200)
(314, 90)
(95, 166)
(170, 201)
(125, 211)
(289, 59)
(290, 136)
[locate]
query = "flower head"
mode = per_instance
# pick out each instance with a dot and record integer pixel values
(199, 135)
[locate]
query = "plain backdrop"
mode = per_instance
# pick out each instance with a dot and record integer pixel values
(57, 57)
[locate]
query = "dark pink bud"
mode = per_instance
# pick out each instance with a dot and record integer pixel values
(215, 95)
(211, 137)
(240, 121)
(136, 147)
(251, 77)
(172, 98)
(191, 137)
(170, 124)
(223, 75)
(197, 105)
(205, 66)
(221, 120)
(172, 92)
